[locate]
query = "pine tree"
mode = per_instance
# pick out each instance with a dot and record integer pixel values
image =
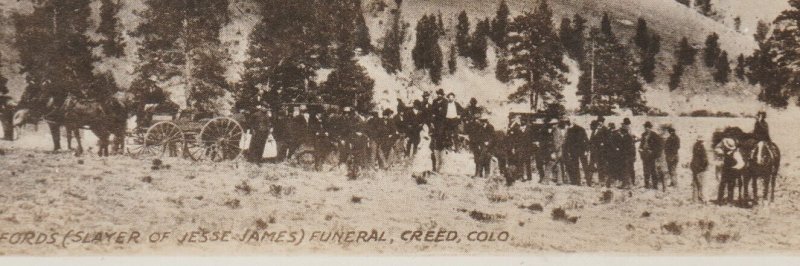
(766, 71)
(536, 57)
(576, 47)
(349, 85)
(737, 24)
(113, 45)
(648, 65)
(440, 24)
(565, 33)
(723, 66)
(282, 60)
(437, 63)
(610, 78)
(704, 6)
(675, 77)
(712, 51)
(180, 40)
(55, 52)
(762, 29)
(500, 25)
(502, 73)
(363, 40)
(740, 67)
(452, 63)
(642, 37)
(648, 45)
(427, 54)
(684, 56)
(605, 27)
(478, 45)
(393, 44)
(462, 34)
(685, 53)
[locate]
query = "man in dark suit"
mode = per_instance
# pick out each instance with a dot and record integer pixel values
(649, 150)
(575, 149)
(356, 141)
(627, 146)
(600, 148)
(389, 135)
(485, 133)
(413, 123)
(261, 126)
(520, 138)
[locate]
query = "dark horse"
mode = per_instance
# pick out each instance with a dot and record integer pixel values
(104, 118)
(762, 161)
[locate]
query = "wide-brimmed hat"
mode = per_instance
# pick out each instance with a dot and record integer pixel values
(347, 109)
(648, 124)
(388, 111)
(729, 143)
(538, 121)
(440, 92)
(426, 94)
(553, 121)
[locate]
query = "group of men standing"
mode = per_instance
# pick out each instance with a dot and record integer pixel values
(560, 149)
(557, 149)
(361, 140)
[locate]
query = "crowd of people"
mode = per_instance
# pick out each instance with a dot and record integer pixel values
(556, 149)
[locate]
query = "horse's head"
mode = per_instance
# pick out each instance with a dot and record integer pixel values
(22, 117)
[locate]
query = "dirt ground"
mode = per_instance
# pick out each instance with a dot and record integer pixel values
(59, 194)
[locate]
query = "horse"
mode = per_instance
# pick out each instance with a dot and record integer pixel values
(104, 118)
(761, 158)
(24, 116)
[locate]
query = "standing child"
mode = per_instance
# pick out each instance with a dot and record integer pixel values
(699, 165)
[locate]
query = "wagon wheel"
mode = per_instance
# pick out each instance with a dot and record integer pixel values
(221, 137)
(195, 149)
(134, 142)
(163, 139)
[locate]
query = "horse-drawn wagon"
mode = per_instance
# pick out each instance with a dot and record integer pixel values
(163, 132)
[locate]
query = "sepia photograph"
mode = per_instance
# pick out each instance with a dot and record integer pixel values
(399, 128)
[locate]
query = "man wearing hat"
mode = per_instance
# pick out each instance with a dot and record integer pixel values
(671, 146)
(575, 148)
(414, 121)
(452, 113)
(627, 153)
(299, 130)
(388, 136)
(599, 140)
(761, 128)
(699, 165)
(374, 128)
(559, 138)
(543, 155)
(261, 126)
(356, 142)
(650, 149)
(482, 148)
(732, 165)
(426, 109)
(521, 136)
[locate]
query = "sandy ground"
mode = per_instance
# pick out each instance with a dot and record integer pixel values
(50, 193)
